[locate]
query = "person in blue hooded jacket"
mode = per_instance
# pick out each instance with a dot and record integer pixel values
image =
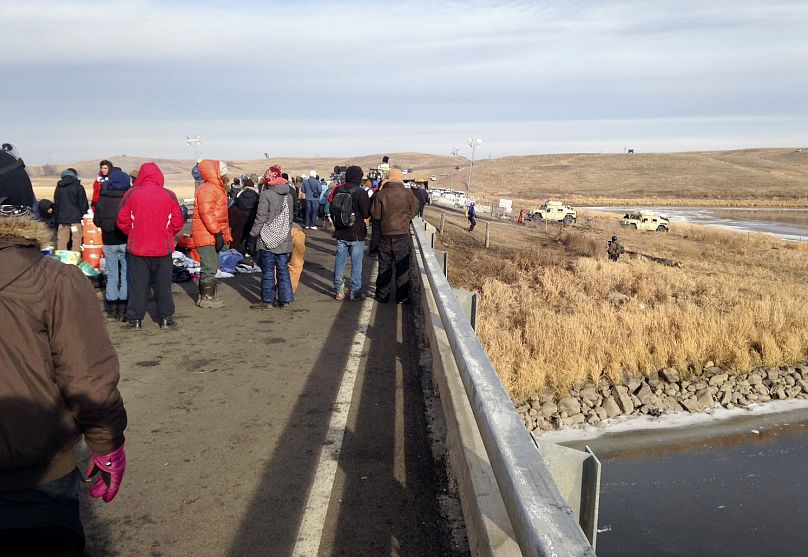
(114, 241)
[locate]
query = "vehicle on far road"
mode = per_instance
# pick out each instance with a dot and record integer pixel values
(645, 220)
(444, 173)
(554, 211)
(433, 178)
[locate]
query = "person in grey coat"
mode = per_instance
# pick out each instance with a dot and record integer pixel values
(275, 210)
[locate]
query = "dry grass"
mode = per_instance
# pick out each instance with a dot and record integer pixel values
(555, 312)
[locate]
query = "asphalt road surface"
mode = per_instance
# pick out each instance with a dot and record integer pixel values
(295, 431)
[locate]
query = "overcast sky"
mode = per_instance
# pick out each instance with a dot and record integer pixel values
(85, 79)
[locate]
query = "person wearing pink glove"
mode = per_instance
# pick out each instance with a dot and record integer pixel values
(58, 384)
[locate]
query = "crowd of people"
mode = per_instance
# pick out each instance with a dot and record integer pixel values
(60, 370)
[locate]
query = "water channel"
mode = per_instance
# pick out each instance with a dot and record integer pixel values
(728, 487)
(790, 224)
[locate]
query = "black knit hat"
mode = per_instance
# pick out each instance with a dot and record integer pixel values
(353, 174)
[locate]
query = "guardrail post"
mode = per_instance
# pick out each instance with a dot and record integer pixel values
(487, 236)
(442, 222)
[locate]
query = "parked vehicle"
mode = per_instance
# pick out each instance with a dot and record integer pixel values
(554, 211)
(645, 220)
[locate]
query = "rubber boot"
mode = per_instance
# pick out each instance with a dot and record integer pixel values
(207, 295)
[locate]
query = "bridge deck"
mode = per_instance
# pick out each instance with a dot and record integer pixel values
(230, 413)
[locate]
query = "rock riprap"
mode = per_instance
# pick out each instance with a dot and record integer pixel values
(665, 392)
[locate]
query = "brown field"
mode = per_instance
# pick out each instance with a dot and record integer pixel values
(555, 312)
(752, 177)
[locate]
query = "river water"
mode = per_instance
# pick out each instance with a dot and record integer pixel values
(790, 224)
(733, 487)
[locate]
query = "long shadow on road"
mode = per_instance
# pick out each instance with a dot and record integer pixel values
(272, 518)
(385, 498)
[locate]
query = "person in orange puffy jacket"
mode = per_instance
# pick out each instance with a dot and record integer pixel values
(210, 228)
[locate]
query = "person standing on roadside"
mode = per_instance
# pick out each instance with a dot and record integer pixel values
(394, 207)
(150, 216)
(272, 230)
(69, 206)
(420, 193)
(104, 169)
(58, 383)
(351, 206)
(210, 228)
(114, 241)
(312, 188)
(471, 215)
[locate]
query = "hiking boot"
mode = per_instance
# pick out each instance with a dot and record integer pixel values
(340, 295)
(110, 310)
(314, 228)
(357, 297)
(167, 323)
(280, 305)
(122, 310)
(133, 324)
(207, 293)
(262, 305)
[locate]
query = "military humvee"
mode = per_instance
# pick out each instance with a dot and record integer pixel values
(554, 211)
(645, 220)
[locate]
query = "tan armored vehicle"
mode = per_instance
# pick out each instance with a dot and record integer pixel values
(645, 220)
(554, 211)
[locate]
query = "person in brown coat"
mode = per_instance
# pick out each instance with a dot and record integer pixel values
(58, 383)
(394, 207)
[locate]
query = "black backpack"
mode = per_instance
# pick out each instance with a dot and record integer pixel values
(342, 207)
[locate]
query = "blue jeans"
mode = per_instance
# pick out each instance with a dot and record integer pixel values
(115, 256)
(272, 263)
(357, 251)
(312, 206)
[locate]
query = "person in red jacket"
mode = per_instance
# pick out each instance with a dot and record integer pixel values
(104, 168)
(150, 216)
(210, 228)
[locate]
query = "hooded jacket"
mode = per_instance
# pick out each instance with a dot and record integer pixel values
(69, 200)
(270, 205)
(361, 204)
(150, 215)
(109, 203)
(210, 207)
(58, 369)
(395, 207)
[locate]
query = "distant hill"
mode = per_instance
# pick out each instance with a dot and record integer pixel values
(724, 176)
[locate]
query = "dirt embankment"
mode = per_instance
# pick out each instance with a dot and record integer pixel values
(556, 316)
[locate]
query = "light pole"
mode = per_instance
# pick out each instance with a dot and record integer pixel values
(474, 143)
(455, 151)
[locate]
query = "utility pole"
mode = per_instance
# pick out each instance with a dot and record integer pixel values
(475, 144)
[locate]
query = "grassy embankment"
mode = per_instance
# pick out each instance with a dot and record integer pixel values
(555, 312)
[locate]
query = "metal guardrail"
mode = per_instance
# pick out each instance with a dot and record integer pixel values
(543, 523)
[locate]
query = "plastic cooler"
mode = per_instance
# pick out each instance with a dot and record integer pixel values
(91, 250)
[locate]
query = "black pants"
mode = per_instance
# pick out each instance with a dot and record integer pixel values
(375, 236)
(43, 520)
(472, 223)
(394, 257)
(147, 273)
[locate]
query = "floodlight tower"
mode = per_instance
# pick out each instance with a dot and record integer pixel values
(194, 142)
(474, 143)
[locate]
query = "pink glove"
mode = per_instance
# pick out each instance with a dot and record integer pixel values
(111, 468)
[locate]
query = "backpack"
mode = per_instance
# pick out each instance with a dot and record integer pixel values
(276, 231)
(342, 207)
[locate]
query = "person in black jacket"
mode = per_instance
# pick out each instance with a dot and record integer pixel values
(241, 215)
(70, 204)
(114, 241)
(350, 239)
